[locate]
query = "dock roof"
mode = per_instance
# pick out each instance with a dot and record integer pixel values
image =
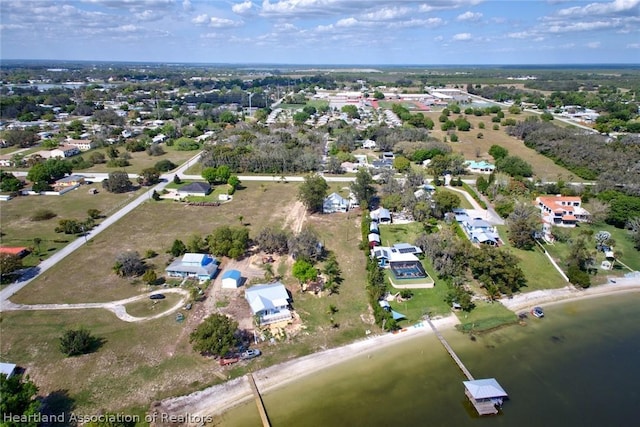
(486, 388)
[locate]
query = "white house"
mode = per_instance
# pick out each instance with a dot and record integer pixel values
(200, 266)
(563, 211)
(481, 166)
(369, 144)
(269, 303)
(159, 138)
(231, 279)
(64, 151)
(480, 231)
(81, 144)
(335, 203)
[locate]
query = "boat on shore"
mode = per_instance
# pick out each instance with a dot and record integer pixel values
(537, 312)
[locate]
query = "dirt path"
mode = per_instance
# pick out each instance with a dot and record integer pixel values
(296, 216)
(116, 307)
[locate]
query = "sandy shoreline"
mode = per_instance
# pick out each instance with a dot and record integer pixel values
(220, 398)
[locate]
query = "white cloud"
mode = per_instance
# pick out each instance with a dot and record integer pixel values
(147, 15)
(200, 19)
(614, 7)
(243, 8)
(347, 22)
(469, 16)
(386, 14)
(447, 4)
(566, 27)
(594, 45)
(215, 22)
(186, 4)
(633, 46)
(462, 37)
(438, 38)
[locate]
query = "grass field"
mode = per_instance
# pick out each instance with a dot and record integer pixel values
(473, 148)
(149, 307)
(19, 230)
(139, 160)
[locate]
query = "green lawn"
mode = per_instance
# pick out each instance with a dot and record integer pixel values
(139, 160)
(485, 316)
(537, 268)
(150, 307)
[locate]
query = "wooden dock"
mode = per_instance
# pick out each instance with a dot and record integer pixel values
(261, 409)
(452, 353)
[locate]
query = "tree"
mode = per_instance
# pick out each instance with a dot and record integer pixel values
(233, 182)
(378, 95)
(305, 245)
(497, 270)
(351, 111)
(164, 165)
(215, 336)
(118, 182)
(273, 240)
(304, 271)
(94, 213)
(498, 152)
(129, 264)
(19, 398)
(444, 202)
(523, 222)
(150, 277)
(229, 241)
(149, 176)
(178, 248)
(77, 342)
(402, 164)
(9, 263)
(514, 166)
(312, 192)
(9, 183)
(363, 188)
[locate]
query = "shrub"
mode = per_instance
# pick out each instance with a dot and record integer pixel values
(76, 342)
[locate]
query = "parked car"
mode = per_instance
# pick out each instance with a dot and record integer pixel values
(188, 306)
(157, 296)
(250, 354)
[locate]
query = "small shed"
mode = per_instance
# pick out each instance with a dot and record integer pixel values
(231, 279)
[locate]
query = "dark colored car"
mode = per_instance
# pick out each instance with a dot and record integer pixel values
(157, 296)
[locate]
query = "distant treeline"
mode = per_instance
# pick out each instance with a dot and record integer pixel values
(615, 163)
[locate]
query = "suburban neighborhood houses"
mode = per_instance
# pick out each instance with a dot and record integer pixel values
(231, 219)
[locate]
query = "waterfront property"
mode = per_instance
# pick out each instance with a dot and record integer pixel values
(563, 211)
(269, 303)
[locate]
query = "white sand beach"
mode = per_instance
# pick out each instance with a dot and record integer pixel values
(220, 398)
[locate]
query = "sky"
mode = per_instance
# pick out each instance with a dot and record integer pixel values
(322, 32)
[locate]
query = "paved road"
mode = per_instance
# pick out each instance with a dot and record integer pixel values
(488, 215)
(32, 273)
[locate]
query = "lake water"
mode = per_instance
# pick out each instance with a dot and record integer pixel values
(579, 366)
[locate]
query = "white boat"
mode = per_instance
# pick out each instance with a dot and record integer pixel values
(537, 311)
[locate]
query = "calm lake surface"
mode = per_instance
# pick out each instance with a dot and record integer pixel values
(579, 366)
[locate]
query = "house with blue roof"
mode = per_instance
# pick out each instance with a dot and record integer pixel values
(199, 266)
(481, 166)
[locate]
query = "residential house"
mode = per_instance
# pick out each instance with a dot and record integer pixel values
(335, 203)
(159, 138)
(70, 181)
(480, 231)
(269, 303)
(195, 189)
(14, 250)
(200, 266)
(563, 211)
(64, 151)
(481, 166)
(381, 215)
(81, 144)
(399, 252)
(6, 161)
(369, 144)
(374, 239)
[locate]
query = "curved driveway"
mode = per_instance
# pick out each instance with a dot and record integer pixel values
(117, 307)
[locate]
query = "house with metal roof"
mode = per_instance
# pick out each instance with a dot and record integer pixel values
(486, 395)
(200, 266)
(231, 279)
(269, 302)
(335, 203)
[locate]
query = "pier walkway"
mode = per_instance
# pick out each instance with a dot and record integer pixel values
(452, 353)
(261, 409)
